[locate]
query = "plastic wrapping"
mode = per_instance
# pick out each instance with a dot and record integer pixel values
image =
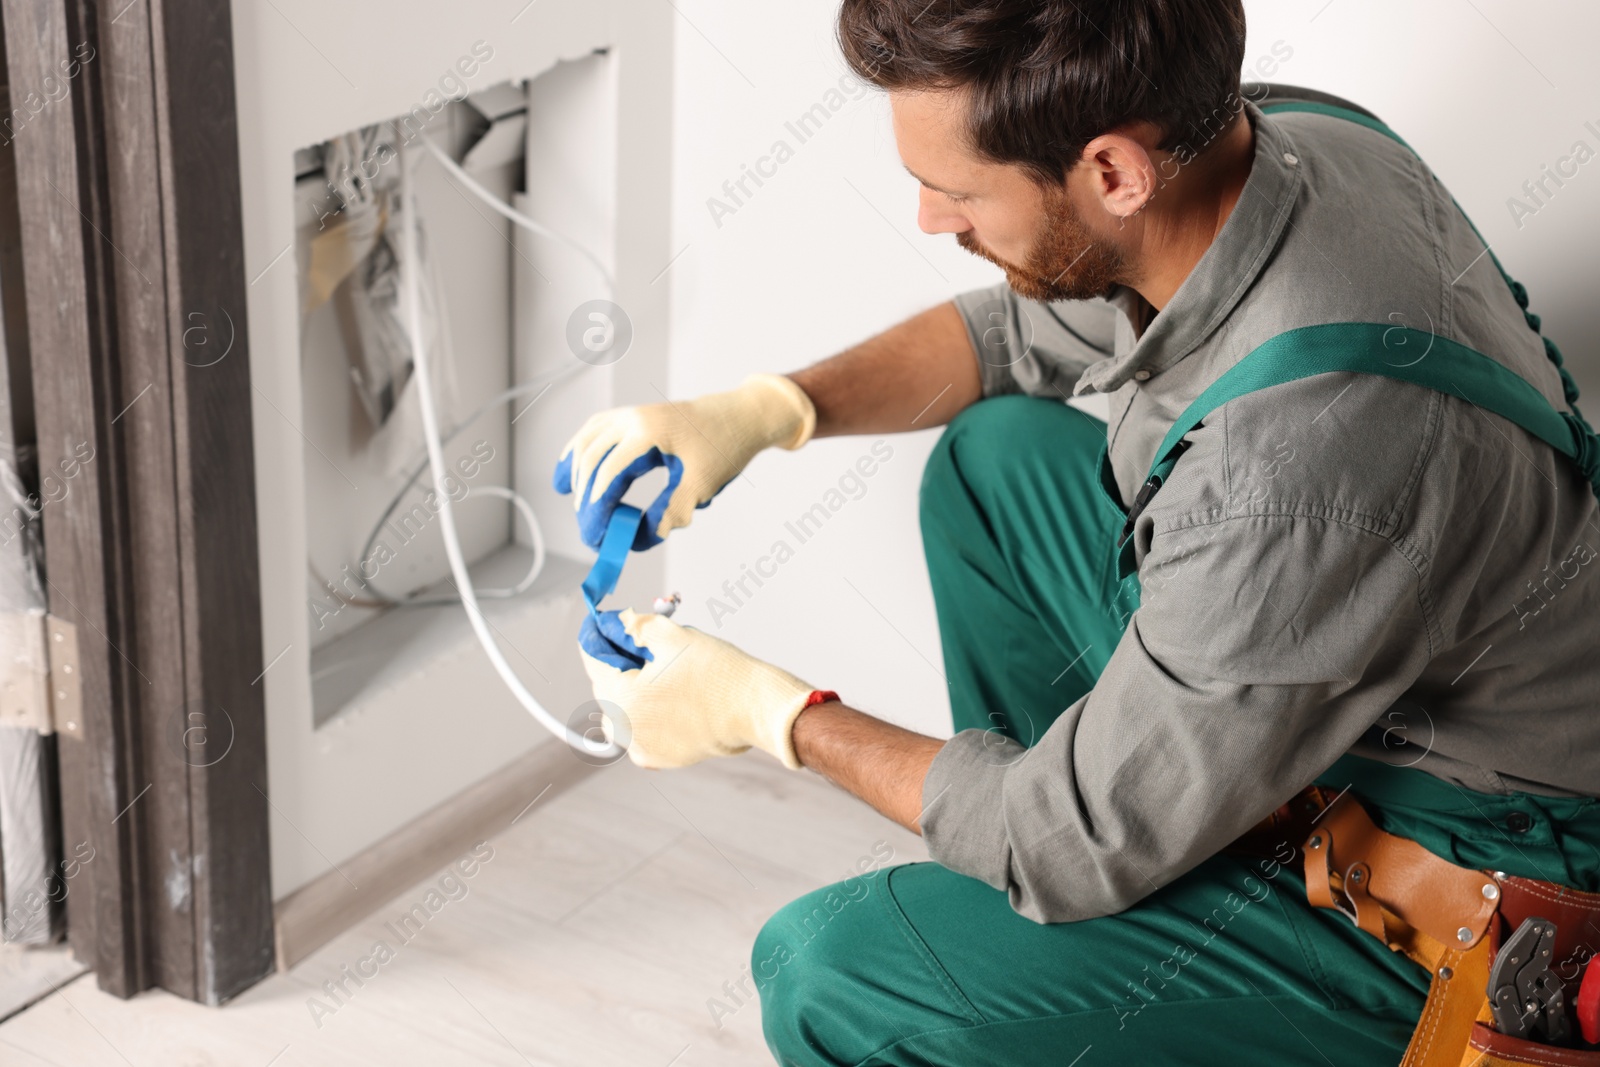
(21, 550)
(28, 821)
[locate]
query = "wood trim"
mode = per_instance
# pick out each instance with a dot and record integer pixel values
(214, 444)
(138, 290)
(132, 249)
(71, 396)
(323, 909)
(16, 409)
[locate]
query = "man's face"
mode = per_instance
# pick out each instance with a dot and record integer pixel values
(1036, 235)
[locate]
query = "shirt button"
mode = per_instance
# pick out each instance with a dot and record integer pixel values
(1290, 158)
(1141, 375)
(1519, 822)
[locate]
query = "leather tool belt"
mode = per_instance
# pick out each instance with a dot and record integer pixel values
(1513, 960)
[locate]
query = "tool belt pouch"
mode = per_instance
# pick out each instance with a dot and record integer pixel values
(1486, 1048)
(1453, 921)
(1576, 916)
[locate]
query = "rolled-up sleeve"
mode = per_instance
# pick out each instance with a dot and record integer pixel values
(1024, 346)
(1264, 646)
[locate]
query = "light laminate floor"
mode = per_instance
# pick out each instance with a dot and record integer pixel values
(605, 920)
(29, 974)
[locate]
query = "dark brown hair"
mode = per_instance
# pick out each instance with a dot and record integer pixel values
(1046, 77)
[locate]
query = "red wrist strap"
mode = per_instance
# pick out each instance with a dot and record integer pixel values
(819, 696)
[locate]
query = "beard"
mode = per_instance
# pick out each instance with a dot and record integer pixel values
(1066, 262)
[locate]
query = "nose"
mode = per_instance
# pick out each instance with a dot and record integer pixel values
(935, 215)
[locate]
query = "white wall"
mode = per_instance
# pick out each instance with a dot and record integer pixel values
(824, 253)
(440, 721)
(1487, 92)
(827, 251)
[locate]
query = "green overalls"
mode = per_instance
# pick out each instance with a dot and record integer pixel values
(1227, 964)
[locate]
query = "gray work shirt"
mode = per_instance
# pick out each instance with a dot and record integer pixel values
(1342, 563)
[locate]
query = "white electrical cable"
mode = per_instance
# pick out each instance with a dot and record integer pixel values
(430, 431)
(536, 542)
(539, 384)
(512, 213)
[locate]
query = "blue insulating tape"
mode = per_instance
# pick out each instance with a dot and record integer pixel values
(614, 549)
(602, 634)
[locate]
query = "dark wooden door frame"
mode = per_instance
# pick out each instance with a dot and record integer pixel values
(124, 136)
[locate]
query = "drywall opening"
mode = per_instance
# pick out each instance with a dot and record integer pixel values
(496, 300)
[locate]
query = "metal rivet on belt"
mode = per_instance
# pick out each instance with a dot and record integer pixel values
(1491, 891)
(1463, 935)
(1315, 842)
(1446, 973)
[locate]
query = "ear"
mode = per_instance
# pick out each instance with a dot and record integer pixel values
(1122, 173)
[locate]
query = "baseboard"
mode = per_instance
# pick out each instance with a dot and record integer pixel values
(321, 910)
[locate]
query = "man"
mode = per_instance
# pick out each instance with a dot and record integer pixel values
(1349, 578)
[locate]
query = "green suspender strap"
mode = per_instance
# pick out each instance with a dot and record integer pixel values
(1373, 348)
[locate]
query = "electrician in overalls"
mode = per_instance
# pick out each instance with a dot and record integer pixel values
(1276, 699)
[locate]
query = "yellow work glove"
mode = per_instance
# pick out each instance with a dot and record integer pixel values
(696, 697)
(702, 443)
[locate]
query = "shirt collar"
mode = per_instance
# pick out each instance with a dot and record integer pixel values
(1223, 274)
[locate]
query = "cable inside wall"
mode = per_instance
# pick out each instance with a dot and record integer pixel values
(436, 464)
(377, 598)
